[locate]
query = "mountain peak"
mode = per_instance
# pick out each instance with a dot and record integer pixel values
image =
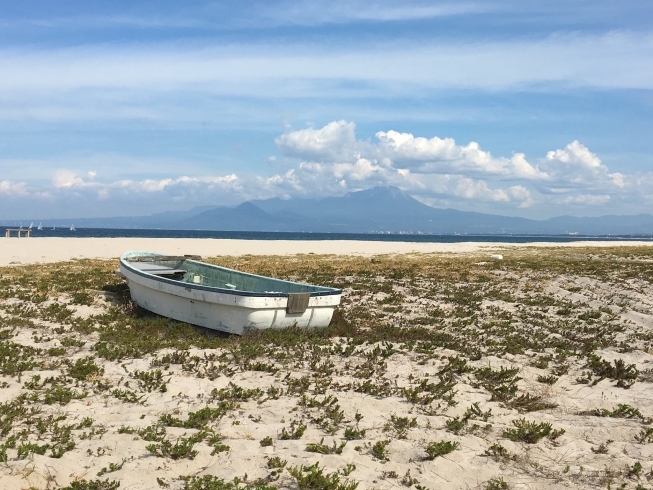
(379, 191)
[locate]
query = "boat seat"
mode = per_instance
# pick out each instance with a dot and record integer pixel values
(157, 270)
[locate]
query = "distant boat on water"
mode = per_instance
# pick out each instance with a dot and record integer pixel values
(31, 225)
(40, 227)
(72, 227)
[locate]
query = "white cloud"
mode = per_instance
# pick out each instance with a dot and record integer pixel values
(520, 193)
(9, 188)
(575, 154)
(618, 179)
(67, 179)
(343, 12)
(612, 60)
(334, 159)
(576, 166)
(265, 15)
(444, 155)
(587, 199)
(335, 141)
(331, 161)
(479, 190)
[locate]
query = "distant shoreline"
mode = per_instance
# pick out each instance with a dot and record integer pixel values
(417, 237)
(49, 249)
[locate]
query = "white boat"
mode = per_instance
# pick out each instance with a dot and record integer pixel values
(72, 227)
(40, 227)
(185, 289)
(31, 225)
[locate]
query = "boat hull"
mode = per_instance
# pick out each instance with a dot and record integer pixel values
(222, 310)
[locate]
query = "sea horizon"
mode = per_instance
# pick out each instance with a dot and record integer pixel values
(66, 232)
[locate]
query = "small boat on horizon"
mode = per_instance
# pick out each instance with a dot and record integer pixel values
(190, 291)
(40, 227)
(31, 225)
(72, 228)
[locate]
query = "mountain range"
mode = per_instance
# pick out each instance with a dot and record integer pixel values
(383, 209)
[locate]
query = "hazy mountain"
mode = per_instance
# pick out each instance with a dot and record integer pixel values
(388, 209)
(376, 210)
(379, 202)
(602, 225)
(168, 216)
(244, 217)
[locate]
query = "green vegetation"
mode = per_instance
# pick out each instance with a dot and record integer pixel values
(497, 484)
(313, 478)
(266, 441)
(437, 449)
(295, 431)
(325, 449)
(93, 485)
(379, 449)
(531, 432)
(210, 482)
(459, 323)
(181, 449)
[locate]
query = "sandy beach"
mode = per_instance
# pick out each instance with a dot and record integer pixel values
(443, 369)
(44, 250)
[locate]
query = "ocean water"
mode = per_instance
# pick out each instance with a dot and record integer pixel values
(258, 235)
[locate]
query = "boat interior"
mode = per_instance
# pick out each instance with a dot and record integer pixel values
(186, 270)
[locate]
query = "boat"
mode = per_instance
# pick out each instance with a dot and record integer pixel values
(31, 225)
(185, 289)
(40, 227)
(72, 228)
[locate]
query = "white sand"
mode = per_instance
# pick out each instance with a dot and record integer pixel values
(31, 250)
(571, 462)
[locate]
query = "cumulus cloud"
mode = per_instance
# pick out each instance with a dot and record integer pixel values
(520, 193)
(331, 160)
(335, 141)
(576, 165)
(587, 199)
(444, 155)
(67, 179)
(9, 188)
(479, 190)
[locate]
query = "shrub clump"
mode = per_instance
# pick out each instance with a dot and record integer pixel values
(437, 449)
(313, 477)
(531, 432)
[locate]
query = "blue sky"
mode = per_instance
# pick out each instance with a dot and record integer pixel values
(523, 108)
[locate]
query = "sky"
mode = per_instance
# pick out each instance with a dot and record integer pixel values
(513, 107)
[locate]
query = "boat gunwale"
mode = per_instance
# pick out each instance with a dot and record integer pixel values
(234, 292)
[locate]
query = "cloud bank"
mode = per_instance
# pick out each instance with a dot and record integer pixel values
(331, 160)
